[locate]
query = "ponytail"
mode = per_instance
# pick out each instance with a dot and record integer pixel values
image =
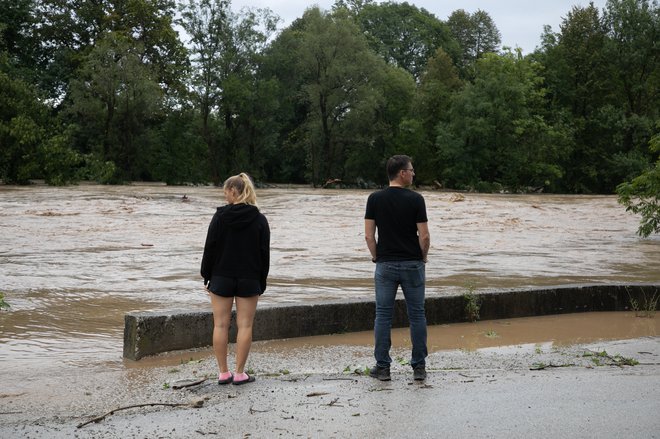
(242, 183)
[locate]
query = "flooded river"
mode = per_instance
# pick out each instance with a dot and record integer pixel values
(74, 260)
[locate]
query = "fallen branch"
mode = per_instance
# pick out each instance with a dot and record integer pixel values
(468, 376)
(548, 366)
(102, 417)
(188, 384)
(333, 403)
(295, 380)
(317, 394)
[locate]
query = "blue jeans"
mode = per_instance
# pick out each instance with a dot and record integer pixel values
(411, 275)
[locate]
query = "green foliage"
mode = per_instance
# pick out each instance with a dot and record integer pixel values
(23, 127)
(404, 35)
(3, 303)
(496, 132)
(642, 195)
(338, 89)
(115, 100)
(476, 35)
(601, 70)
(491, 334)
(107, 91)
(472, 304)
(648, 304)
(233, 102)
(601, 358)
(59, 162)
(402, 361)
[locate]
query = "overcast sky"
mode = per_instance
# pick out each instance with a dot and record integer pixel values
(519, 21)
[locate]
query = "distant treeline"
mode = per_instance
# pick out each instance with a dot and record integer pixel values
(193, 91)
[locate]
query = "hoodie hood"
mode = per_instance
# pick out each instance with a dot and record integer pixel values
(238, 216)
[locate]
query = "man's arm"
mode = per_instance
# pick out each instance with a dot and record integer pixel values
(370, 236)
(424, 239)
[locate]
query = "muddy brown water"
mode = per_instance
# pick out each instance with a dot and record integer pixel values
(75, 260)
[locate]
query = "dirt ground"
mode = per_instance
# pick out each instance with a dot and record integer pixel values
(607, 389)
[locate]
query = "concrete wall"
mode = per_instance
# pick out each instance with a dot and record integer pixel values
(149, 333)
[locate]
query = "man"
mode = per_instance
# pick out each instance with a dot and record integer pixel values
(400, 252)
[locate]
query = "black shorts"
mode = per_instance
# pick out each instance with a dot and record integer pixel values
(234, 287)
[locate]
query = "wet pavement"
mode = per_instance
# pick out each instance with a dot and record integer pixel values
(602, 389)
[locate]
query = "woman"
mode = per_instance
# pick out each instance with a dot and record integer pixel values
(235, 267)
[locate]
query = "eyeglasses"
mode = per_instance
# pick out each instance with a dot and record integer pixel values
(410, 170)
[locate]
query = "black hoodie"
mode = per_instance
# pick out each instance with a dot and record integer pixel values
(237, 244)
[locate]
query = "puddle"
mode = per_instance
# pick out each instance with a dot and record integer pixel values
(559, 330)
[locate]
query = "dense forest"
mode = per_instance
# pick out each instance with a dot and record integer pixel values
(191, 91)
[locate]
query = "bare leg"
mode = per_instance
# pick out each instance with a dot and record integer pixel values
(221, 319)
(245, 310)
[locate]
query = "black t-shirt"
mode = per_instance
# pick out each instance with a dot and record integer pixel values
(397, 211)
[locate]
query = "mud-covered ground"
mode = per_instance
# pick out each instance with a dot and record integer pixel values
(607, 389)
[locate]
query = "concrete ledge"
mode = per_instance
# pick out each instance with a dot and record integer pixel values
(149, 333)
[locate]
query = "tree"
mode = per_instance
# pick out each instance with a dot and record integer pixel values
(225, 51)
(633, 29)
(179, 154)
(69, 29)
(22, 120)
(115, 101)
(16, 20)
(335, 84)
(497, 133)
(376, 129)
(431, 107)
(601, 70)
(476, 35)
(642, 194)
(403, 34)
(34, 145)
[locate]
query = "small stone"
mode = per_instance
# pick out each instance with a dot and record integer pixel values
(197, 403)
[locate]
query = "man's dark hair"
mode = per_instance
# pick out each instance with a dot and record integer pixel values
(395, 164)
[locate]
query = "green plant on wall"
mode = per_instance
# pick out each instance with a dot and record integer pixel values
(3, 304)
(646, 306)
(472, 303)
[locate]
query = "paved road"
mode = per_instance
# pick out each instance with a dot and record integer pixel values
(581, 391)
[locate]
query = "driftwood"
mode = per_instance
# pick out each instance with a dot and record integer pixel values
(253, 411)
(184, 384)
(333, 403)
(548, 366)
(98, 419)
(331, 181)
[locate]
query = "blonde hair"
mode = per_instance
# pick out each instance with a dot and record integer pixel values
(242, 183)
